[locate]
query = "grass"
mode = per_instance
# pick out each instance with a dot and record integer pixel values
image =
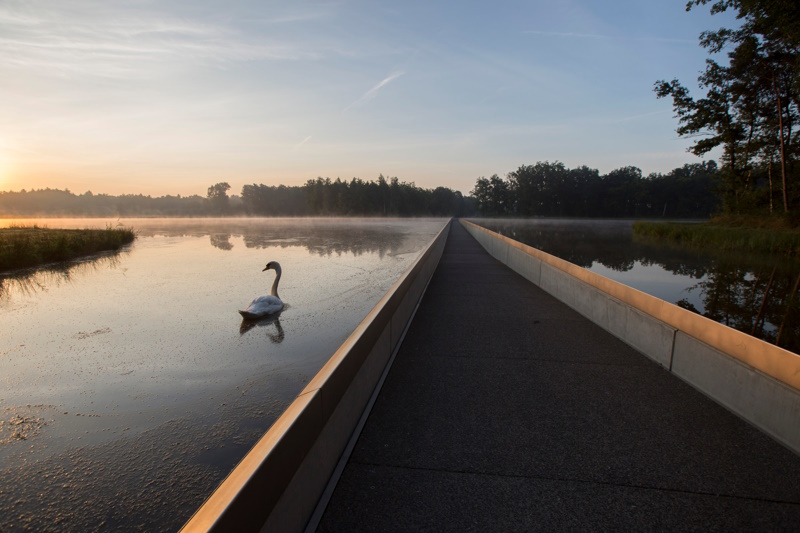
(740, 234)
(31, 246)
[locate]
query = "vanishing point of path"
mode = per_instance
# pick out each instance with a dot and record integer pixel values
(506, 410)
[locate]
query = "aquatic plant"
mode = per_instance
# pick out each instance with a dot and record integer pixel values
(31, 246)
(771, 240)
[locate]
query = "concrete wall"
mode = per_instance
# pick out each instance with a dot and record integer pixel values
(756, 380)
(278, 483)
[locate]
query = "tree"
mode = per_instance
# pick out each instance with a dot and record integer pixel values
(481, 193)
(623, 192)
(541, 189)
(711, 120)
(585, 183)
(686, 192)
(218, 197)
(752, 105)
(445, 202)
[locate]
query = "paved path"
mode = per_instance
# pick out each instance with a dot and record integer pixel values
(506, 410)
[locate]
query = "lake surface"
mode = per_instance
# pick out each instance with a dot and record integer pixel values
(754, 294)
(129, 384)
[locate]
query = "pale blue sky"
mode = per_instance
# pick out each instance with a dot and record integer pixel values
(169, 97)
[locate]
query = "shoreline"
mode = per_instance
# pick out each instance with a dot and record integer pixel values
(34, 246)
(724, 236)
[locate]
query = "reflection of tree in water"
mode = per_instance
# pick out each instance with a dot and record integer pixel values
(323, 237)
(221, 241)
(34, 280)
(337, 240)
(761, 302)
(756, 295)
(609, 243)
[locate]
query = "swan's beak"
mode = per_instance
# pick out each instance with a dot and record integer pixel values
(265, 269)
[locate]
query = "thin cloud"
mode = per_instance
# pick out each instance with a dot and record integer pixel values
(121, 44)
(374, 90)
(301, 143)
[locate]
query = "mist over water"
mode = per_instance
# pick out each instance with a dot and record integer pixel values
(130, 386)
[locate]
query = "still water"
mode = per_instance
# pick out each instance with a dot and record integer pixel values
(129, 384)
(754, 294)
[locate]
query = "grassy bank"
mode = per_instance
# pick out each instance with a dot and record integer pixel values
(730, 233)
(23, 247)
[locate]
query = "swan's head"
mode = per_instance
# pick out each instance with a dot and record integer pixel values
(272, 265)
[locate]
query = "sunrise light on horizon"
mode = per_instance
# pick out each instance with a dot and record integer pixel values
(168, 98)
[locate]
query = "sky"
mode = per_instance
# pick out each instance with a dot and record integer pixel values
(158, 98)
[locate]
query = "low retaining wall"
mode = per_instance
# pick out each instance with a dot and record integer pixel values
(277, 485)
(756, 380)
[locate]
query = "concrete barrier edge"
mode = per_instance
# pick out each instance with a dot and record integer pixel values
(756, 380)
(275, 487)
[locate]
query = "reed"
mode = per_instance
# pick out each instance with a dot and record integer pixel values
(722, 234)
(31, 246)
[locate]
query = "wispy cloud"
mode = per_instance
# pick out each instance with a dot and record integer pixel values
(301, 143)
(127, 43)
(370, 94)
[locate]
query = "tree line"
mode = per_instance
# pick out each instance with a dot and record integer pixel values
(553, 190)
(541, 189)
(381, 197)
(64, 203)
(317, 197)
(751, 107)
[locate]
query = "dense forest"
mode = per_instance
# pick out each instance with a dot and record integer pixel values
(542, 189)
(55, 203)
(552, 189)
(751, 107)
(382, 197)
(319, 197)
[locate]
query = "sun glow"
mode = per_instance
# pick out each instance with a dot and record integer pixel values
(4, 170)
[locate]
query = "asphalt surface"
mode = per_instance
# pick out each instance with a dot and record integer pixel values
(505, 410)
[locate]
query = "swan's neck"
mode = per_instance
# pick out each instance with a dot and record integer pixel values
(274, 291)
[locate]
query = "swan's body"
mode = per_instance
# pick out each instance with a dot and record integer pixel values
(262, 306)
(266, 305)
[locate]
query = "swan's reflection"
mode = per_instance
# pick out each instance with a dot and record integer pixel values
(275, 320)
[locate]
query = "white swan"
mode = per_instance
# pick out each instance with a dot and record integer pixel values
(266, 305)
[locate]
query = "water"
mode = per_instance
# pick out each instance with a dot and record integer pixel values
(754, 294)
(130, 386)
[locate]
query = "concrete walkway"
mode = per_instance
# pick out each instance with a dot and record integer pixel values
(507, 410)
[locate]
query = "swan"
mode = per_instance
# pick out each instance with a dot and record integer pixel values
(266, 305)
